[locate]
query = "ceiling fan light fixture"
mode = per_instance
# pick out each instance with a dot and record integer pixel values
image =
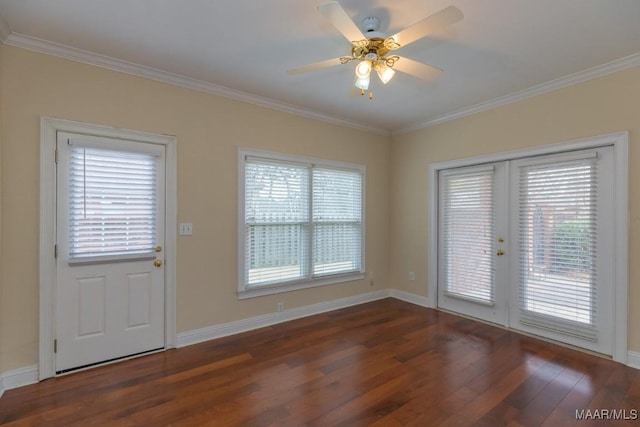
(363, 82)
(363, 69)
(384, 72)
(372, 49)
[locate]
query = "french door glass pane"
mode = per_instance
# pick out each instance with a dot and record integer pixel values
(558, 231)
(468, 220)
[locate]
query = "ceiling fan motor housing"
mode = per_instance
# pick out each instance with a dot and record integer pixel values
(370, 27)
(370, 24)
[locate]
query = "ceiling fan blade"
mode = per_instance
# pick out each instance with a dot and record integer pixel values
(334, 12)
(315, 66)
(428, 25)
(417, 69)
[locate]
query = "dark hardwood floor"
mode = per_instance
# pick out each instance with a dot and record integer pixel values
(385, 363)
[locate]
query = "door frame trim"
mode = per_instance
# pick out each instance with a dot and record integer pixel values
(49, 127)
(620, 143)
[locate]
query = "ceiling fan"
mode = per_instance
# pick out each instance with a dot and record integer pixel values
(373, 51)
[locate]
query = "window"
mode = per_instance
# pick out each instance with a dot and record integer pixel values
(301, 222)
(112, 204)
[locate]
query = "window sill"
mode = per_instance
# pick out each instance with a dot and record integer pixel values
(258, 291)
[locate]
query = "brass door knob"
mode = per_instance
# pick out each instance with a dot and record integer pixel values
(158, 248)
(500, 252)
(157, 262)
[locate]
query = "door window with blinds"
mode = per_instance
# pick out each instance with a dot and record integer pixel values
(302, 222)
(112, 204)
(472, 225)
(467, 233)
(527, 243)
(563, 210)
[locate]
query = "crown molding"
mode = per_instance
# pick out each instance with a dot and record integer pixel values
(559, 83)
(79, 55)
(5, 30)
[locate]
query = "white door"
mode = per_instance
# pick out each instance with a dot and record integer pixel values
(528, 243)
(472, 267)
(110, 287)
(563, 238)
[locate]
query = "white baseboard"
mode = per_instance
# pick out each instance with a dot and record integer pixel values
(18, 378)
(231, 328)
(412, 298)
(633, 359)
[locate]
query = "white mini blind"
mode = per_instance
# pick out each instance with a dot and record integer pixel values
(301, 221)
(112, 203)
(468, 224)
(558, 231)
(337, 221)
(276, 222)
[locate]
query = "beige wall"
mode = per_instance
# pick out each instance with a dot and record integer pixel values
(209, 130)
(596, 107)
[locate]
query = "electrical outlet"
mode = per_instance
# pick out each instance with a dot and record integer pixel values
(412, 275)
(280, 307)
(186, 229)
(371, 277)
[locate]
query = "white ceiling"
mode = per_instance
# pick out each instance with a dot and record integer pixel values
(242, 49)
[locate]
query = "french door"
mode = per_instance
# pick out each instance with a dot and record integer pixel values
(528, 244)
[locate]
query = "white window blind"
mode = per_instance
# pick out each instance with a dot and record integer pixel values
(468, 224)
(337, 221)
(112, 203)
(276, 221)
(301, 221)
(558, 234)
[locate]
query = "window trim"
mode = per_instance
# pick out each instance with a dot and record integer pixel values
(244, 291)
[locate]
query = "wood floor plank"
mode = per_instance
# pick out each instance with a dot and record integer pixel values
(385, 363)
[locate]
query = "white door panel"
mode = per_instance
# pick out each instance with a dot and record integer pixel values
(110, 233)
(90, 292)
(139, 299)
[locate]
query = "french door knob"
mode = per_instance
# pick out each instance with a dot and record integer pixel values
(157, 262)
(500, 252)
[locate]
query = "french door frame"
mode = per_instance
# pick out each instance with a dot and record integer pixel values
(620, 143)
(49, 127)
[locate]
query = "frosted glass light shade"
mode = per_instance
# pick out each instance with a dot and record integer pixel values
(363, 69)
(363, 82)
(385, 73)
